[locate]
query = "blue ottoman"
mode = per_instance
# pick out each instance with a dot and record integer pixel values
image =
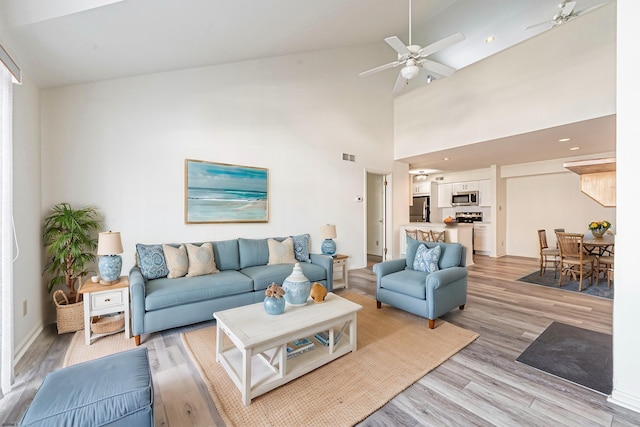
(114, 390)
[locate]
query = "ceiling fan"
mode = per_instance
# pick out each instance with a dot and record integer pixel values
(567, 11)
(413, 58)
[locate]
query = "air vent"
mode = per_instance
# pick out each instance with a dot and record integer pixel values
(348, 157)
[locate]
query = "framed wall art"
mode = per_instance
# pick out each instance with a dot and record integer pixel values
(219, 192)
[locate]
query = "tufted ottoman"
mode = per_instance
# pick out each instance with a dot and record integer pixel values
(114, 390)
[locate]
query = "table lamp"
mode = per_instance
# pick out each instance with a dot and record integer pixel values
(328, 233)
(110, 265)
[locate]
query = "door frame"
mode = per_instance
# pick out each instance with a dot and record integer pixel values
(386, 213)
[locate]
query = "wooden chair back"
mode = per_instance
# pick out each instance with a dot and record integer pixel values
(542, 239)
(425, 236)
(571, 245)
(437, 236)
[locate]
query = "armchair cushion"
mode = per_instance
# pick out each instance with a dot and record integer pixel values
(406, 282)
(427, 259)
(450, 256)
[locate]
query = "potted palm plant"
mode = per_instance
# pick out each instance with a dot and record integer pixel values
(70, 238)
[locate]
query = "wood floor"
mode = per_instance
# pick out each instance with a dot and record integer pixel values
(482, 385)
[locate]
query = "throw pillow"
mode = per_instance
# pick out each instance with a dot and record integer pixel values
(281, 252)
(301, 247)
(426, 259)
(177, 261)
(151, 261)
(201, 260)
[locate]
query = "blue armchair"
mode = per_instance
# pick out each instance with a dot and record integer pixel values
(424, 293)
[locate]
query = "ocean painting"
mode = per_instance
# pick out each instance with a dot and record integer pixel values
(218, 192)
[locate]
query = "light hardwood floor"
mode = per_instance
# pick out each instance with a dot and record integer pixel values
(482, 385)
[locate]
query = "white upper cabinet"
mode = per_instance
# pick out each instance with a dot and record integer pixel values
(465, 186)
(421, 187)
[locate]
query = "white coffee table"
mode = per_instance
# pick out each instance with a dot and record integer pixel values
(256, 357)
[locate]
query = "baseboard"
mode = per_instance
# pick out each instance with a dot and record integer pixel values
(625, 400)
(21, 349)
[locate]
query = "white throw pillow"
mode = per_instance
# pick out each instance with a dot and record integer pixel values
(177, 260)
(281, 252)
(201, 260)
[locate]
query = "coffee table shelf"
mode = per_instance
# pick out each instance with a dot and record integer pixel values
(251, 345)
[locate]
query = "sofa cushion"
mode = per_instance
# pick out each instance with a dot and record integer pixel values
(226, 254)
(426, 259)
(281, 252)
(253, 252)
(177, 260)
(151, 261)
(450, 256)
(162, 293)
(264, 275)
(201, 260)
(301, 247)
(406, 282)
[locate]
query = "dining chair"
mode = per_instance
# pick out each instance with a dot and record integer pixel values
(425, 236)
(547, 254)
(437, 236)
(412, 233)
(605, 263)
(573, 258)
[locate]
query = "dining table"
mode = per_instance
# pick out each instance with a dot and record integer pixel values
(599, 246)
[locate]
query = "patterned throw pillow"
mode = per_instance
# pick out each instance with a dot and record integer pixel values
(281, 253)
(301, 247)
(201, 260)
(177, 260)
(427, 259)
(151, 261)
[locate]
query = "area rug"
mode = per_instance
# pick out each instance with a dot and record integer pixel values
(79, 352)
(575, 354)
(547, 279)
(395, 349)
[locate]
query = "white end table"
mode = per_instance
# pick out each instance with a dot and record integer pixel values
(102, 299)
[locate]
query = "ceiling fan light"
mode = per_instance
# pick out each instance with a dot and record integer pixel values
(410, 71)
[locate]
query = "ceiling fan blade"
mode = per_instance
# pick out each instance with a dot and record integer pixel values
(380, 68)
(550, 23)
(437, 67)
(568, 8)
(397, 45)
(441, 44)
(401, 82)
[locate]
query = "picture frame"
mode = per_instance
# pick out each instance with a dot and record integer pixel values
(221, 192)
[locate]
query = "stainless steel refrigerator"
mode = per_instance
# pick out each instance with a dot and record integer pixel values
(420, 210)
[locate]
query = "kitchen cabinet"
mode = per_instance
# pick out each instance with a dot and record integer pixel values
(485, 192)
(421, 188)
(444, 195)
(482, 238)
(465, 186)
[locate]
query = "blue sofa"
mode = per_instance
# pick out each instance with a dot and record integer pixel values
(160, 303)
(426, 294)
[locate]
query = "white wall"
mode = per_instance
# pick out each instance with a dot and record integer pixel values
(626, 316)
(28, 284)
(121, 144)
(489, 99)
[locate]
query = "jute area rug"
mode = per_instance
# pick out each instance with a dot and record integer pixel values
(104, 346)
(395, 349)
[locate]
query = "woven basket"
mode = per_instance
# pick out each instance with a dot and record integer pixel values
(69, 316)
(107, 324)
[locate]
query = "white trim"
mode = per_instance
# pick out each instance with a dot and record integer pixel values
(625, 400)
(11, 65)
(25, 345)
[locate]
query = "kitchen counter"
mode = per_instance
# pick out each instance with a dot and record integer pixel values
(454, 233)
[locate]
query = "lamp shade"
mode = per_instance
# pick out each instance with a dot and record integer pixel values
(109, 243)
(328, 231)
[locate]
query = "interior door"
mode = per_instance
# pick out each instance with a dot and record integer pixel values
(375, 215)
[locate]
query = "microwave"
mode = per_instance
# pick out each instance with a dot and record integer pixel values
(464, 198)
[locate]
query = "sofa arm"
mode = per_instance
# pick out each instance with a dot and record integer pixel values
(441, 278)
(137, 294)
(325, 261)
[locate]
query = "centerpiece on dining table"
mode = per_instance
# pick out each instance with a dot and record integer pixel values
(599, 228)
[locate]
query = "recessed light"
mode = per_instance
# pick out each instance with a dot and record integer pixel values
(489, 39)
(446, 158)
(574, 148)
(564, 139)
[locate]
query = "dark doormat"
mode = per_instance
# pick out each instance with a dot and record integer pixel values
(548, 279)
(578, 355)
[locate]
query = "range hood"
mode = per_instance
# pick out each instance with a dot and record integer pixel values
(597, 179)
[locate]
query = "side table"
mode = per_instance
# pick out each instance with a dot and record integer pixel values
(102, 299)
(340, 262)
